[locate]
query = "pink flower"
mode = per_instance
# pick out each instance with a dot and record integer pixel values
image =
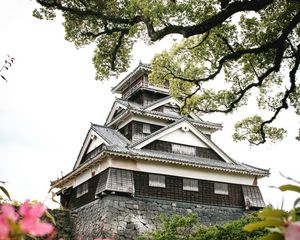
(7, 215)
(102, 239)
(30, 223)
(292, 231)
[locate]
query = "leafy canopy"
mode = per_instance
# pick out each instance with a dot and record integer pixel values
(254, 45)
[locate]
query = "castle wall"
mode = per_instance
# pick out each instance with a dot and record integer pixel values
(121, 217)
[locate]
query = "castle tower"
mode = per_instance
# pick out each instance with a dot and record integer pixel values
(147, 159)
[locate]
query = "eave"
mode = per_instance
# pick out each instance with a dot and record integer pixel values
(87, 165)
(158, 115)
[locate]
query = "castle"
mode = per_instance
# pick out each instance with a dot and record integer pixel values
(147, 159)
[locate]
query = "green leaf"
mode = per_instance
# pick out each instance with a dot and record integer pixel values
(50, 216)
(268, 223)
(297, 202)
(272, 236)
(290, 187)
(3, 189)
(271, 213)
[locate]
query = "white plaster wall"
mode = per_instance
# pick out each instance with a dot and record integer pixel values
(128, 164)
(86, 175)
(196, 173)
(166, 169)
(181, 137)
(82, 178)
(95, 143)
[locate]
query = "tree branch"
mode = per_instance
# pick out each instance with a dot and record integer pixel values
(117, 48)
(284, 104)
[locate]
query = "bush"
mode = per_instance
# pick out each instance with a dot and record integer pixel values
(188, 228)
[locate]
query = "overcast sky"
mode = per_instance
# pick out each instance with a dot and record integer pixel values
(52, 96)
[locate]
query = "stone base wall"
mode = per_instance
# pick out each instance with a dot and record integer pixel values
(120, 217)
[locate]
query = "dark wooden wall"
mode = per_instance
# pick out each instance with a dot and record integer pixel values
(144, 97)
(70, 201)
(136, 128)
(167, 147)
(174, 191)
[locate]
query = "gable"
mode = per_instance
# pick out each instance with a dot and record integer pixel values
(91, 142)
(181, 136)
(95, 142)
(172, 134)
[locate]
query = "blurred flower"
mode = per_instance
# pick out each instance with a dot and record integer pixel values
(30, 223)
(7, 215)
(292, 231)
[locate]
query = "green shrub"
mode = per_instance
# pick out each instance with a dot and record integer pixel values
(188, 228)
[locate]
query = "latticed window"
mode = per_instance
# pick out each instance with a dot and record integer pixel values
(82, 189)
(183, 149)
(190, 185)
(221, 188)
(146, 128)
(157, 180)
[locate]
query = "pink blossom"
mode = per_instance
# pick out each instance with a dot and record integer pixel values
(7, 215)
(292, 231)
(30, 223)
(102, 239)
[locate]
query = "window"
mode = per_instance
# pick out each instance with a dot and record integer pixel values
(183, 149)
(146, 128)
(157, 180)
(190, 184)
(82, 189)
(221, 188)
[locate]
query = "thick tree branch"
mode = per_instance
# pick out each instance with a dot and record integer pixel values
(200, 28)
(116, 49)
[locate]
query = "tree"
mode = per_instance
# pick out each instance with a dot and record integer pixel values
(252, 44)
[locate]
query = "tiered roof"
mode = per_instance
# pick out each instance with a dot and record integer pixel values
(113, 143)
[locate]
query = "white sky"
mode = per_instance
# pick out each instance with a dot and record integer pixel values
(51, 97)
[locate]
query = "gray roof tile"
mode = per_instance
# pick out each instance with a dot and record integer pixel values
(118, 144)
(139, 109)
(110, 135)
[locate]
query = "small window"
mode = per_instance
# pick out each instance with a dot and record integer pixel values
(146, 128)
(183, 149)
(82, 189)
(190, 185)
(157, 180)
(221, 188)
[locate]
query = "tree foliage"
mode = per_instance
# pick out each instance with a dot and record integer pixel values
(252, 44)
